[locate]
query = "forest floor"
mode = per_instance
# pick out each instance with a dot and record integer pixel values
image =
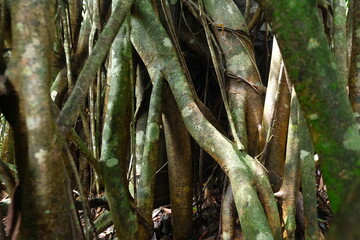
(207, 219)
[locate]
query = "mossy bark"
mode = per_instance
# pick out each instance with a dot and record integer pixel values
(73, 105)
(289, 188)
(340, 39)
(349, 216)
(245, 90)
(149, 161)
(354, 79)
(41, 194)
(103, 222)
(234, 163)
(320, 91)
(115, 137)
(308, 181)
(346, 225)
(141, 116)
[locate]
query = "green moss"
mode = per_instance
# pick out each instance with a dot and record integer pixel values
(335, 196)
(352, 138)
(357, 32)
(339, 19)
(154, 132)
(304, 154)
(290, 218)
(112, 162)
(313, 116)
(313, 43)
(264, 236)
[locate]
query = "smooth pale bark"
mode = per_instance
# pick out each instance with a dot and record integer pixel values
(41, 195)
(323, 99)
(276, 115)
(180, 169)
(272, 88)
(164, 58)
(116, 135)
(276, 119)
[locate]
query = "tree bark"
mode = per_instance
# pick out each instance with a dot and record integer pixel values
(276, 119)
(178, 151)
(354, 78)
(73, 105)
(149, 160)
(340, 41)
(115, 138)
(234, 163)
(41, 194)
(320, 91)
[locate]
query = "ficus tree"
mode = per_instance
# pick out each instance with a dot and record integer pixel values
(100, 96)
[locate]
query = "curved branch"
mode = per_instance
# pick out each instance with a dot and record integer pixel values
(72, 108)
(164, 58)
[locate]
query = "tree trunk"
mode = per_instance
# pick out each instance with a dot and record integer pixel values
(115, 139)
(40, 196)
(320, 91)
(164, 59)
